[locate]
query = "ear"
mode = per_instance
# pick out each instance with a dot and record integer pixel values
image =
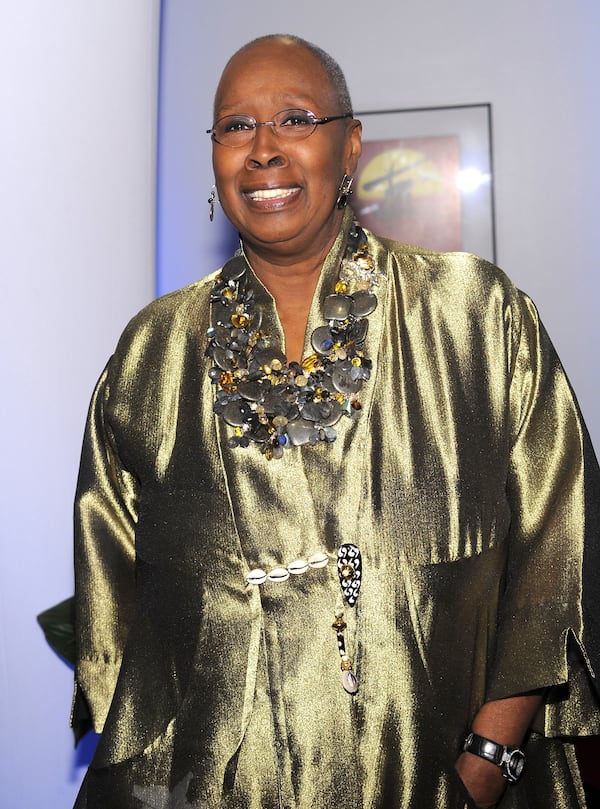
(353, 146)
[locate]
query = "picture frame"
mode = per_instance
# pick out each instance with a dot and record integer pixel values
(426, 177)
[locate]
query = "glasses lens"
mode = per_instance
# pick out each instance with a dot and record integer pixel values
(234, 130)
(294, 124)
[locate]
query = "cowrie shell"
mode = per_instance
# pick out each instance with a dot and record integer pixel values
(318, 560)
(349, 682)
(279, 574)
(256, 576)
(298, 566)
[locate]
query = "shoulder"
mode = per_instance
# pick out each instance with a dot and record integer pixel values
(175, 317)
(162, 343)
(453, 283)
(162, 334)
(423, 266)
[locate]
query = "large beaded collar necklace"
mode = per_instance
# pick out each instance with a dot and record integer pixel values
(277, 405)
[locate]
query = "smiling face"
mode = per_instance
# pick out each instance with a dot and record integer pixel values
(281, 195)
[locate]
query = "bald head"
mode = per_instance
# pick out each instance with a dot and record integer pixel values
(331, 69)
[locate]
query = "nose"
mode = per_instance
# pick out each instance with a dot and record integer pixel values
(265, 149)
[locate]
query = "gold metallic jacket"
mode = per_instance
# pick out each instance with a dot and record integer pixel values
(470, 486)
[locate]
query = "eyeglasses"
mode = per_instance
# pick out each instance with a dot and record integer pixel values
(239, 130)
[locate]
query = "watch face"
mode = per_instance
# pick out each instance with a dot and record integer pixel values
(516, 763)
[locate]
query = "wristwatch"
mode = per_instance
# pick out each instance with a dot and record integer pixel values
(511, 760)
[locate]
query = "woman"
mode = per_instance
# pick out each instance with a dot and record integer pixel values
(332, 508)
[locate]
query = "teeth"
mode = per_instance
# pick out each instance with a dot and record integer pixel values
(271, 193)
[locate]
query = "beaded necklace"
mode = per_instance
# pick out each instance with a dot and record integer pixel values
(277, 405)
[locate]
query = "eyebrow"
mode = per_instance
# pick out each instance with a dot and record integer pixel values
(287, 102)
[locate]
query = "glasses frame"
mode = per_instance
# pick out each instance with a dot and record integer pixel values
(315, 120)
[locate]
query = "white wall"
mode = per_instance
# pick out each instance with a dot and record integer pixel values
(536, 63)
(78, 86)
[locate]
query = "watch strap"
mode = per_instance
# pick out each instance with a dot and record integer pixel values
(509, 759)
(484, 748)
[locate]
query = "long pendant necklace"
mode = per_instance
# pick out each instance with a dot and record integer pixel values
(277, 405)
(349, 565)
(349, 569)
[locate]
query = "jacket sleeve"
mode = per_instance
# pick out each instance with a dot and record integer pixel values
(548, 631)
(105, 519)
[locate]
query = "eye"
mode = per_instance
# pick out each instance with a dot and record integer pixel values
(236, 123)
(296, 118)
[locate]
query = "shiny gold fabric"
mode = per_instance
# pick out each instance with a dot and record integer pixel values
(464, 482)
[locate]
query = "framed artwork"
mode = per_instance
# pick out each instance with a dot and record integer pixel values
(425, 177)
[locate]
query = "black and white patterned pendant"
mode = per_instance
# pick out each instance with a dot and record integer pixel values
(349, 565)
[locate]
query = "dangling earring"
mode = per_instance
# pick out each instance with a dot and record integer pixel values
(345, 191)
(211, 203)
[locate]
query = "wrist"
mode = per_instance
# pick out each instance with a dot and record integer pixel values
(482, 780)
(510, 760)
